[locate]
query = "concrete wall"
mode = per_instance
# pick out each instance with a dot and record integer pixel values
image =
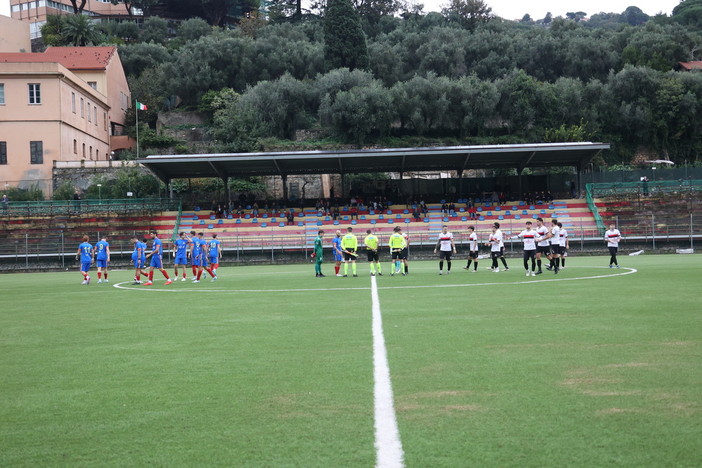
(14, 35)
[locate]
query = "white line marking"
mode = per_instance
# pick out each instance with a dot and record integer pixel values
(388, 447)
(432, 286)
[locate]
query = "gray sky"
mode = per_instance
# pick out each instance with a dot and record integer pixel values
(515, 9)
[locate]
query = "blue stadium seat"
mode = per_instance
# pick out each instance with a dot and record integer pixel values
(230, 216)
(363, 217)
(517, 217)
(406, 211)
(195, 218)
(300, 224)
(210, 226)
(398, 216)
(482, 218)
(373, 221)
(543, 211)
(390, 221)
(446, 220)
(202, 221)
(212, 216)
(265, 215)
(489, 213)
(507, 213)
(346, 218)
(525, 212)
(336, 222)
(426, 220)
(255, 220)
(319, 223)
(534, 216)
(514, 208)
(238, 221)
(532, 207)
(247, 216)
(371, 212)
(273, 220)
(461, 209)
(327, 218)
(464, 219)
(381, 217)
(197, 208)
(501, 218)
(407, 220)
(480, 208)
(354, 222)
(498, 208)
(389, 212)
(282, 224)
(221, 221)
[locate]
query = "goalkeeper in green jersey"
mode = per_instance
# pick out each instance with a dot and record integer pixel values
(371, 243)
(317, 255)
(397, 244)
(349, 245)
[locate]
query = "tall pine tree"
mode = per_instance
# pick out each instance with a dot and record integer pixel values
(344, 40)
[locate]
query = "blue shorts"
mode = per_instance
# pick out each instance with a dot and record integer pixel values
(101, 263)
(214, 260)
(85, 266)
(156, 262)
(338, 257)
(137, 263)
(181, 260)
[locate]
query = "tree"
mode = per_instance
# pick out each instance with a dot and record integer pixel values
(78, 7)
(154, 30)
(344, 40)
(633, 16)
(468, 13)
(689, 13)
(79, 31)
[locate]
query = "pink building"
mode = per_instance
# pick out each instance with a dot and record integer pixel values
(61, 105)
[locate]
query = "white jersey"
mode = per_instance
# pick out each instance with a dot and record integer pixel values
(473, 242)
(555, 232)
(613, 236)
(496, 241)
(562, 237)
(446, 241)
(542, 232)
(528, 236)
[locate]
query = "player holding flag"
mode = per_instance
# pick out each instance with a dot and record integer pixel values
(371, 243)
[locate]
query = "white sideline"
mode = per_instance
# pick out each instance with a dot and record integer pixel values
(388, 446)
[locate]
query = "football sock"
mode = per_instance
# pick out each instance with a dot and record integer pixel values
(448, 265)
(475, 266)
(165, 273)
(199, 274)
(353, 267)
(372, 267)
(151, 276)
(504, 262)
(538, 262)
(378, 266)
(99, 274)
(346, 268)
(562, 261)
(406, 269)
(105, 275)
(441, 265)
(336, 269)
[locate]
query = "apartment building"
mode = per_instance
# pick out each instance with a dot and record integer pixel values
(61, 105)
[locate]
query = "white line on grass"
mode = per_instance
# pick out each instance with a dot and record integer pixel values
(127, 285)
(388, 447)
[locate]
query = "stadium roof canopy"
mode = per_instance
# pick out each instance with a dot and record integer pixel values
(402, 160)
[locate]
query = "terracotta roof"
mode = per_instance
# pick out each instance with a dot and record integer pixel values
(696, 65)
(73, 58)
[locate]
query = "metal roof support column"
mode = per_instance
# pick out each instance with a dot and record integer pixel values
(285, 188)
(228, 189)
(169, 188)
(460, 183)
(519, 183)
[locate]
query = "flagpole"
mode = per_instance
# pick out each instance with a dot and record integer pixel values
(137, 128)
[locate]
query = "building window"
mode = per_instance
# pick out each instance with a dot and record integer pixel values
(36, 152)
(73, 102)
(104, 119)
(34, 93)
(3, 152)
(82, 110)
(83, 150)
(90, 152)
(95, 115)
(87, 106)
(75, 146)
(92, 84)
(2, 93)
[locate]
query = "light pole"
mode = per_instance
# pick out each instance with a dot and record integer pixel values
(99, 186)
(653, 169)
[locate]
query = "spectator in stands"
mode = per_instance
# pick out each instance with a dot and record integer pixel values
(416, 214)
(473, 212)
(254, 210)
(335, 213)
(291, 218)
(502, 198)
(353, 201)
(354, 212)
(444, 209)
(452, 208)
(548, 197)
(5, 201)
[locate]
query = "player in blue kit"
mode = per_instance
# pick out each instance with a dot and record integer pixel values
(214, 254)
(200, 247)
(138, 259)
(336, 250)
(156, 256)
(85, 255)
(102, 257)
(191, 246)
(180, 251)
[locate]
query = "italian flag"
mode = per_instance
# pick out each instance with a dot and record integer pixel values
(141, 106)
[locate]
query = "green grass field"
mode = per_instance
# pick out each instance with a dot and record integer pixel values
(270, 366)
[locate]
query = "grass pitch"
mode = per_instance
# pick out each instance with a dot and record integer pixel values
(270, 366)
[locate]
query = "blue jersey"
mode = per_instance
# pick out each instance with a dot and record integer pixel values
(336, 244)
(214, 248)
(101, 250)
(142, 246)
(137, 252)
(157, 247)
(86, 252)
(197, 246)
(181, 247)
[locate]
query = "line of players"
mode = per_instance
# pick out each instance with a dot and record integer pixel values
(540, 242)
(345, 248)
(194, 250)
